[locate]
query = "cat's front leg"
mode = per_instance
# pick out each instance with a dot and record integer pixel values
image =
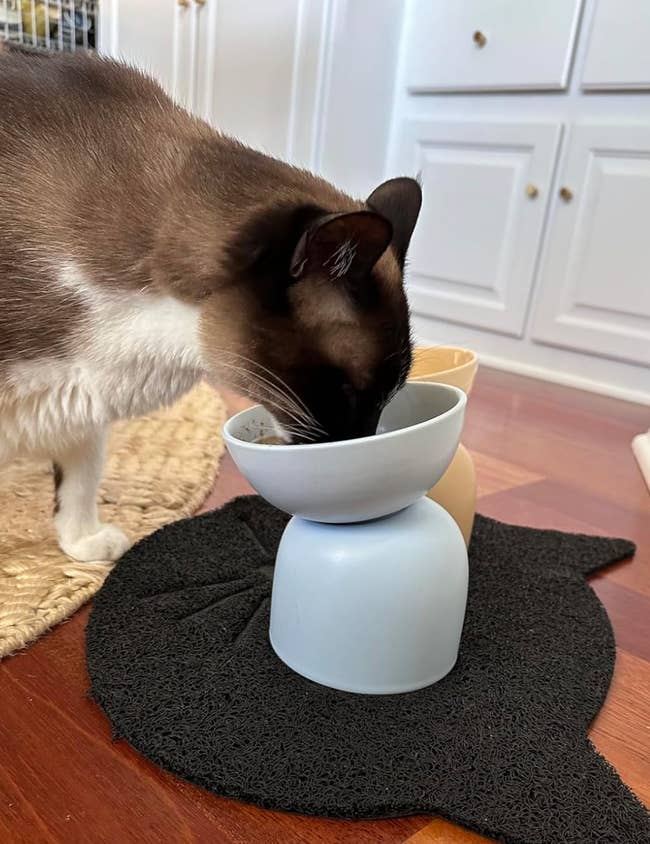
(77, 472)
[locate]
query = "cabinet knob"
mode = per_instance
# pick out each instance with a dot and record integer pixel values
(566, 194)
(200, 2)
(531, 191)
(183, 3)
(479, 39)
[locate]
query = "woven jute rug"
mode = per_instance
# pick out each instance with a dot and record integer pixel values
(159, 468)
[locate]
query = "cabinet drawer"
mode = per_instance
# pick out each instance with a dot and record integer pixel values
(485, 187)
(478, 45)
(617, 53)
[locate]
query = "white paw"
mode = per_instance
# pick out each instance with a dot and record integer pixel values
(107, 544)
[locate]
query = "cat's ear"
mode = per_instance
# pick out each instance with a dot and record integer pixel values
(399, 201)
(342, 245)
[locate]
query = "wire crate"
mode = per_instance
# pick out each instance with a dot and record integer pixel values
(54, 25)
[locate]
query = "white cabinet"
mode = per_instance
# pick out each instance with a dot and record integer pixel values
(162, 38)
(490, 44)
(249, 78)
(485, 187)
(232, 62)
(311, 81)
(618, 55)
(594, 291)
(530, 125)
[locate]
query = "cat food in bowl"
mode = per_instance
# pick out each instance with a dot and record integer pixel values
(359, 479)
(271, 440)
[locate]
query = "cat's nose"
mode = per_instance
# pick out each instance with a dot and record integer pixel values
(363, 426)
(368, 425)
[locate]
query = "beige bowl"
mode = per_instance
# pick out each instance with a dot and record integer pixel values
(445, 365)
(456, 490)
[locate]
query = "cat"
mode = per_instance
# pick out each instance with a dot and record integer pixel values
(141, 250)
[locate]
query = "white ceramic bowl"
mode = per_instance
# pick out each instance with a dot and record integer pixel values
(360, 479)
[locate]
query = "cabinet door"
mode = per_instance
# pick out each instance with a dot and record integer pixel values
(306, 80)
(485, 188)
(594, 290)
(462, 45)
(159, 37)
(249, 87)
(617, 55)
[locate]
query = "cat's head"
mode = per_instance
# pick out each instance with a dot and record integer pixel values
(314, 321)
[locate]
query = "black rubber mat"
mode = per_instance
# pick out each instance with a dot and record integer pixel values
(179, 659)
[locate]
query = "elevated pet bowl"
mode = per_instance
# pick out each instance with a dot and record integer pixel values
(370, 580)
(456, 489)
(354, 480)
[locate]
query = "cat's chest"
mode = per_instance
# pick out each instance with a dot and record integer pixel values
(142, 353)
(125, 358)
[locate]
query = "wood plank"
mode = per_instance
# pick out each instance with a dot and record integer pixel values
(628, 703)
(563, 434)
(565, 507)
(494, 475)
(440, 831)
(629, 613)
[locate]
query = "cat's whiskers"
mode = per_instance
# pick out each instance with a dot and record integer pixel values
(285, 388)
(296, 430)
(256, 389)
(287, 398)
(289, 401)
(260, 389)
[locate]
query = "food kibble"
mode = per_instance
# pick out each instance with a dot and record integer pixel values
(271, 440)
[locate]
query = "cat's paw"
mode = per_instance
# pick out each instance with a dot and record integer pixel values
(106, 545)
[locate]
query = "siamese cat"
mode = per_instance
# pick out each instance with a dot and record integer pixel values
(141, 250)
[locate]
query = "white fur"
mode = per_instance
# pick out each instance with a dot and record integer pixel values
(133, 352)
(81, 534)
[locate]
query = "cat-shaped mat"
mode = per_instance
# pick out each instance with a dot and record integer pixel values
(179, 658)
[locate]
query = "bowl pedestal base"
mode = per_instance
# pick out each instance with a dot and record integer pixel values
(373, 607)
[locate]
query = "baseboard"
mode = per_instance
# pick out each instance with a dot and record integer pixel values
(565, 378)
(641, 449)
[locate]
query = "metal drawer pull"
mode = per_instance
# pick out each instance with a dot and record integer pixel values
(479, 39)
(566, 194)
(531, 191)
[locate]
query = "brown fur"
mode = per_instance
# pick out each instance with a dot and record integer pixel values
(99, 166)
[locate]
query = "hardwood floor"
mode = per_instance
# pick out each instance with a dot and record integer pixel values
(546, 456)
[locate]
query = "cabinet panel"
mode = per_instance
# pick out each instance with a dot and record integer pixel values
(250, 80)
(473, 252)
(490, 44)
(617, 55)
(249, 68)
(594, 284)
(160, 38)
